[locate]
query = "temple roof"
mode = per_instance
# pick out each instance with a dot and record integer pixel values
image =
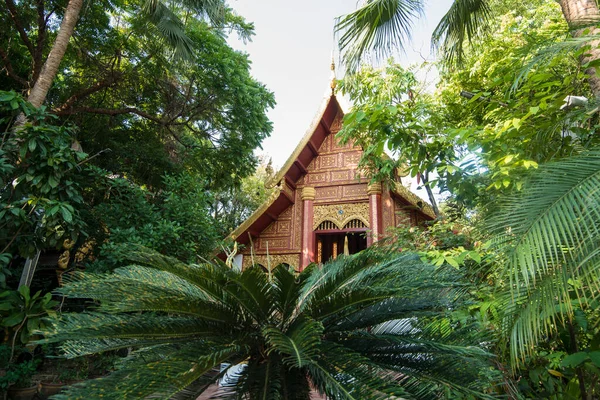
(296, 166)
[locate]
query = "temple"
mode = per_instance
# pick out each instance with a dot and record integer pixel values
(323, 206)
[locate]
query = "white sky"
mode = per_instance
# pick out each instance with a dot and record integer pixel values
(291, 55)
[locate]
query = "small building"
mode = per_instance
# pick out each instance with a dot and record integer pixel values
(323, 206)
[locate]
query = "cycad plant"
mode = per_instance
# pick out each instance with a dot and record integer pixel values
(549, 237)
(360, 327)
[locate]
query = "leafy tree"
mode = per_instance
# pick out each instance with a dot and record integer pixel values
(391, 110)
(361, 327)
(168, 25)
(514, 117)
(233, 205)
(155, 112)
(489, 122)
(174, 221)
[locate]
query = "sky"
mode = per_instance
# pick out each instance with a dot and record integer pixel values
(291, 54)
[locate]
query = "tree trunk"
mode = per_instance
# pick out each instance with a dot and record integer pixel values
(582, 15)
(40, 89)
(434, 206)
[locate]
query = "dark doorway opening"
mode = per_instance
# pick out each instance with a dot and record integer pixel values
(332, 244)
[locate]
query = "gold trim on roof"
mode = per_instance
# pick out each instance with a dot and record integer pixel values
(256, 214)
(415, 200)
(305, 139)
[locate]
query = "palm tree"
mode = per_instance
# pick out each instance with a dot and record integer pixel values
(360, 327)
(380, 26)
(548, 236)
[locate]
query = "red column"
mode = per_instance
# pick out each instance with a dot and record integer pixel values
(375, 217)
(308, 243)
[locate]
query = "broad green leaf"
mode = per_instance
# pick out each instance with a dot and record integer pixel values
(573, 360)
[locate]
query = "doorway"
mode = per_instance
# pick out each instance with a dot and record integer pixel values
(332, 244)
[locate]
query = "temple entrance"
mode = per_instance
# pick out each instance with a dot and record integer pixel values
(332, 244)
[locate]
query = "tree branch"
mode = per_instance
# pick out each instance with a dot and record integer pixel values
(12, 10)
(112, 112)
(111, 80)
(9, 69)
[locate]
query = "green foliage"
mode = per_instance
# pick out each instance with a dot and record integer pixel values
(390, 110)
(233, 205)
(364, 326)
(443, 242)
(41, 189)
(548, 236)
(24, 314)
(19, 375)
(174, 221)
(512, 120)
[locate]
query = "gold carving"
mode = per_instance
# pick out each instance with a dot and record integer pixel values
(374, 188)
(340, 214)
(328, 192)
(270, 230)
(328, 161)
(325, 145)
(340, 175)
(273, 243)
(336, 125)
(352, 159)
(287, 214)
(355, 191)
(273, 260)
(283, 226)
(318, 178)
(308, 193)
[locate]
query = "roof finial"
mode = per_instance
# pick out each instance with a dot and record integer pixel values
(333, 82)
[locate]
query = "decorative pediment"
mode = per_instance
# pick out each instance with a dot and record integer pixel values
(341, 214)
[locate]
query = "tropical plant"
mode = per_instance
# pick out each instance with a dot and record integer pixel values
(360, 327)
(23, 313)
(19, 375)
(548, 236)
(379, 27)
(40, 192)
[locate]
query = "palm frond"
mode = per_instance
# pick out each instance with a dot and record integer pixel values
(146, 326)
(549, 239)
(171, 27)
(299, 345)
(549, 51)
(377, 28)
(139, 377)
(464, 21)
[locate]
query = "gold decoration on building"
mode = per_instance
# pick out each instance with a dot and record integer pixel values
(63, 260)
(374, 188)
(273, 260)
(333, 82)
(341, 214)
(308, 193)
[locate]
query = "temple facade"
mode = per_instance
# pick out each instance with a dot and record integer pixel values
(323, 206)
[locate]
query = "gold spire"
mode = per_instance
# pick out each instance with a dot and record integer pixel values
(333, 81)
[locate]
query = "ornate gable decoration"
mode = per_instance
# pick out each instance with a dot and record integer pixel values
(341, 214)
